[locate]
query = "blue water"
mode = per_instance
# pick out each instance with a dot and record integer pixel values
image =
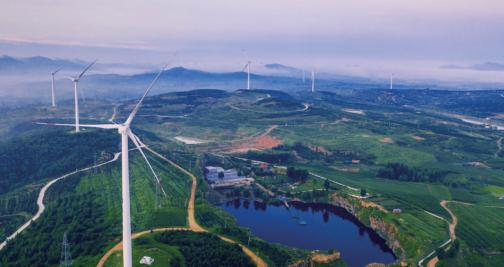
(327, 227)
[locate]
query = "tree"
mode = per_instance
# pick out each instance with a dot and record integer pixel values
(363, 192)
(327, 185)
(441, 253)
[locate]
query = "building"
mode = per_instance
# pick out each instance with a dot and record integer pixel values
(396, 211)
(219, 177)
(147, 260)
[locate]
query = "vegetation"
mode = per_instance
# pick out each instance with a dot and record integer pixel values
(203, 249)
(401, 172)
(35, 157)
(297, 174)
(81, 216)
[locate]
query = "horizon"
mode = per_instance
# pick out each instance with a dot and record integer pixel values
(449, 41)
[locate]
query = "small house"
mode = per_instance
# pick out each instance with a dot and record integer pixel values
(146, 260)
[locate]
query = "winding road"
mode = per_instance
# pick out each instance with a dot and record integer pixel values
(41, 196)
(451, 227)
(193, 224)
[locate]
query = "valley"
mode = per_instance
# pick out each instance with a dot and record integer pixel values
(386, 164)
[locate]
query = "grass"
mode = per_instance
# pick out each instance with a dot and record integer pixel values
(144, 213)
(162, 254)
(481, 228)
(495, 190)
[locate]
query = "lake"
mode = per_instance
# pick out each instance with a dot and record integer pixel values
(312, 226)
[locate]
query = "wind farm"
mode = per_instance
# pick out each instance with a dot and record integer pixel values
(282, 134)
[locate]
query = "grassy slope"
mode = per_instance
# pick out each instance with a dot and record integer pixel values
(105, 187)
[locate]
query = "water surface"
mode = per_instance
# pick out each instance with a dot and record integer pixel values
(327, 227)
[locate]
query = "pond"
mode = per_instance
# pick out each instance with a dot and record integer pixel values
(312, 226)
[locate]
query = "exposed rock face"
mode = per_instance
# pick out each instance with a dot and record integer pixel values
(387, 230)
(343, 202)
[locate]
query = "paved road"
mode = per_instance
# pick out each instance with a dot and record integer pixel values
(41, 196)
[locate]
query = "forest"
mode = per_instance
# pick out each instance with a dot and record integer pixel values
(78, 215)
(205, 250)
(50, 153)
(401, 172)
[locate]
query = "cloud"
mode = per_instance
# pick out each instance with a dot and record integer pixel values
(486, 66)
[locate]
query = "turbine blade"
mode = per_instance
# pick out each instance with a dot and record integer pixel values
(137, 144)
(101, 126)
(56, 71)
(245, 67)
(86, 69)
(135, 110)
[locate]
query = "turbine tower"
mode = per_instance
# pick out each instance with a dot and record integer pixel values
(391, 81)
(313, 81)
(52, 87)
(247, 66)
(75, 80)
(124, 130)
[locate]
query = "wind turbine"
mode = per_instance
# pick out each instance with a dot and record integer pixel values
(124, 130)
(247, 66)
(75, 80)
(391, 81)
(52, 87)
(313, 81)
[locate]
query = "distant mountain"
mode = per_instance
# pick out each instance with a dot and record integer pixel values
(10, 65)
(486, 66)
(283, 69)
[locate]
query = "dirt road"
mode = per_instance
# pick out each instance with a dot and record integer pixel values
(451, 226)
(193, 225)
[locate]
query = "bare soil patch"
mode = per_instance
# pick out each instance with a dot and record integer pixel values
(325, 258)
(368, 204)
(257, 143)
(386, 140)
(418, 138)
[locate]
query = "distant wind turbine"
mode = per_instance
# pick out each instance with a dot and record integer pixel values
(53, 98)
(75, 80)
(391, 81)
(124, 130)
(313, 81)
(247, 66)
(304, 76)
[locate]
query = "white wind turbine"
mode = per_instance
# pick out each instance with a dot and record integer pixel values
(53, 98)
(313, 81)
(391, 81)
(75, 80)
(247, 66)
(124, 130)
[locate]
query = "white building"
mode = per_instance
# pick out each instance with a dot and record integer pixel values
(147, 260)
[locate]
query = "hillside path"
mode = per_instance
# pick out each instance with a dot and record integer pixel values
(193, 224)
(451, 226)
(499, 147)
(41, 196)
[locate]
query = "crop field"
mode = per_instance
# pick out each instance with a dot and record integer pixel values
(481, 228)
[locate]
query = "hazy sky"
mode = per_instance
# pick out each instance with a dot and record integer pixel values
(367, 37)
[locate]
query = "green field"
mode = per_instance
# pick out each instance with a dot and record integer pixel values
(91, 203)
(442, 158)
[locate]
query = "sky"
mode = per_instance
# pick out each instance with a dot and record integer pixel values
(362, 37)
